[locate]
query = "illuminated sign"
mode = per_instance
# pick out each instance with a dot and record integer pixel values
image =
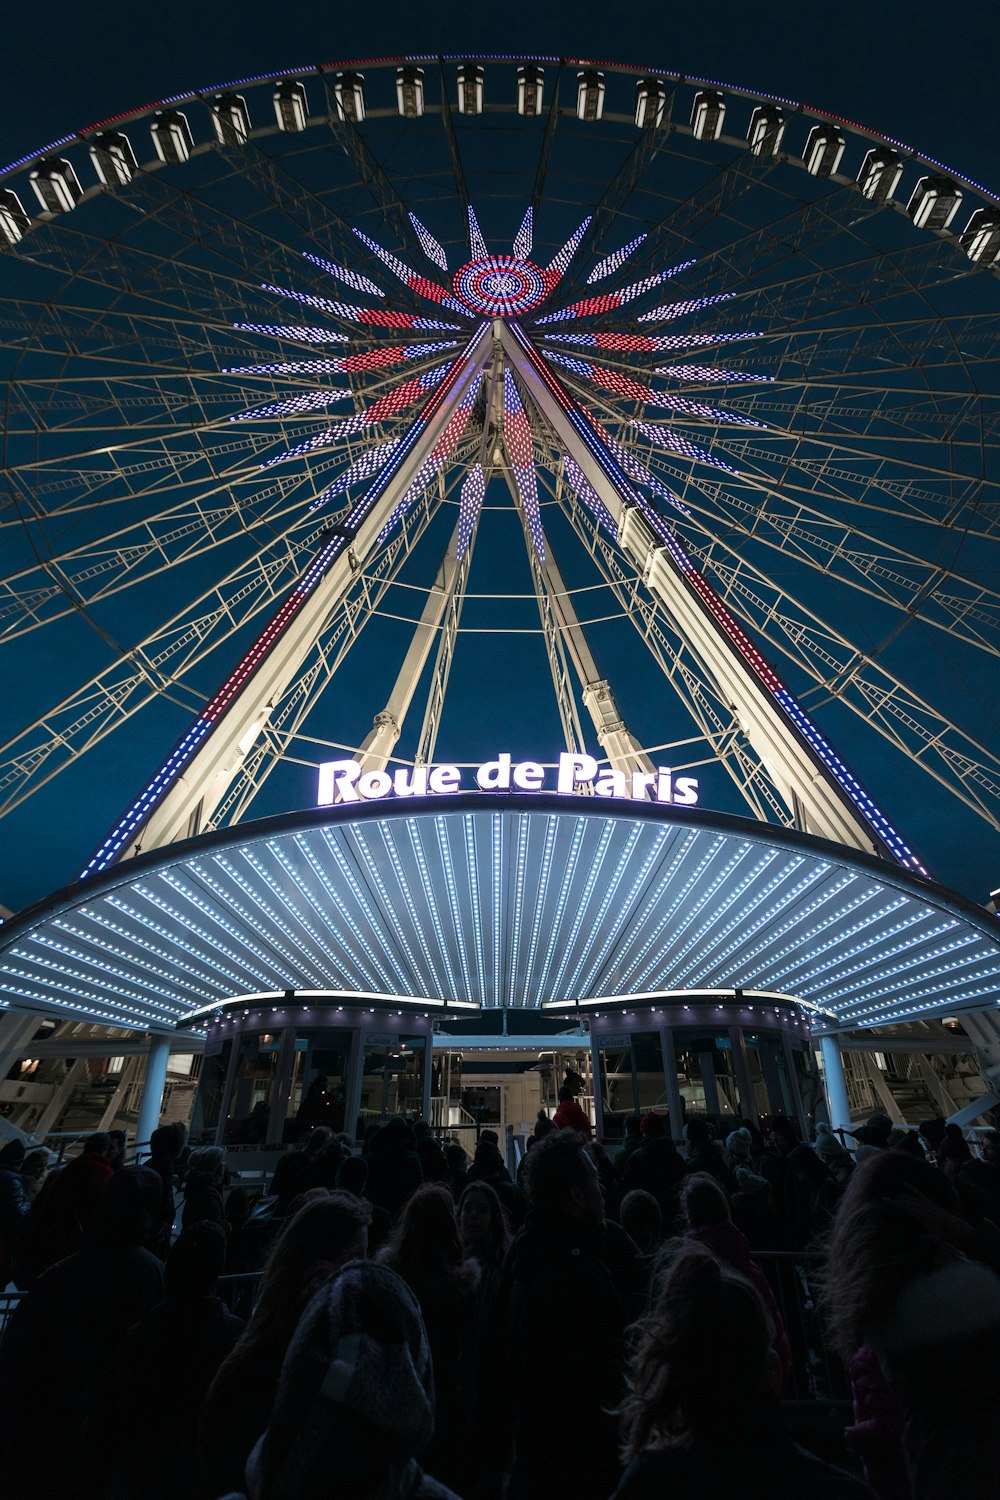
(344, 781)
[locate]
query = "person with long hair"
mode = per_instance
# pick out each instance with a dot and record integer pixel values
(426, 1250)
(486, 1237)
(323, 1236)
(701, 1415)
(918, 1319)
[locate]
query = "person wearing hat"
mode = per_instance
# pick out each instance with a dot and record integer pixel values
(355, 1400)
(834, 1154)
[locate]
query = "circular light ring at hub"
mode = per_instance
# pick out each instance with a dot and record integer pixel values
(500, 285)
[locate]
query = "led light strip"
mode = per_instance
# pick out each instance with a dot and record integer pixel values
(614, 261)
(302, 334)
(544, 870)
(472, 870)
(335, 902)
(588, 307)
(301, 919)
(373, 871)
(373, 317)
(524, 237)
(634, 390)
(520, 448)
(582, 906)
(569, 870)
(353, 279)
(625, 907)
(428, 244)
(454, 906)
(346, 870)
(416, 844)
(645, 343)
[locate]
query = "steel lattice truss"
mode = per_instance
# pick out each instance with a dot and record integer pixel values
(279, 394)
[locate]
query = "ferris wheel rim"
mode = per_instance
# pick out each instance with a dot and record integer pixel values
(265, 80)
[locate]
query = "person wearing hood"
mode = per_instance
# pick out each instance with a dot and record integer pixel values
(355, 1400)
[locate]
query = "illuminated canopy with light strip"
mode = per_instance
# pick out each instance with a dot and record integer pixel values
(500, 898)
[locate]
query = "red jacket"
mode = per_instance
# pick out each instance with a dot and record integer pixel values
(569, 1116)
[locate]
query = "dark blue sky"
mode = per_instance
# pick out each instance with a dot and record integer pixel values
(921, 72)
(914, 71)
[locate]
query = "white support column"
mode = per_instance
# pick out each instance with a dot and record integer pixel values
(675, 1104)
(834, 1083)
(741, 1068)
(353, 1082)
(595, 1069)
(225, 1103)
(281, 1092)
(425, 1099)
(152, 1091)
(788, 1052)
(378, 745)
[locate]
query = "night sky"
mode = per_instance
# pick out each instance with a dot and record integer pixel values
(916, 72)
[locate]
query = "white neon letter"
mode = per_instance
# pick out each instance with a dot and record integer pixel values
(445, 779)
(375, 784)
(686, 791)
(574, 770)
(336, 782)
(494, 776)
(529, 775)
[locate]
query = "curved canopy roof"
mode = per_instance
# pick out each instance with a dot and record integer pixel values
(492, 898)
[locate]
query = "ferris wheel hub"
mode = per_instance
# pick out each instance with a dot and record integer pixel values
(503, 285)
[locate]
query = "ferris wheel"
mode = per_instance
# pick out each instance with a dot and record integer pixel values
(377, 410)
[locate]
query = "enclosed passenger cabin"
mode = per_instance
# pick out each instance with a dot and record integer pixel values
(349, 92)
(880, 174)
(530, 80)
(824, 150)
(590, 90)
(934, 202)
(56, 185)
(230, 119)
(470, 89)
(113, 158)
(650, 102)
(980, 239)
(767, 130)
(291, 105)
(172, 138)
(14, 222)
(410, 92)
(708, 115)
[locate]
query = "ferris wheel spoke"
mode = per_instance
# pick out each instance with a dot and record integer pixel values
(929, 738)
(340, 634)
(719, 727)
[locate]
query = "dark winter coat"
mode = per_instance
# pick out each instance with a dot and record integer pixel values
(562, 1281)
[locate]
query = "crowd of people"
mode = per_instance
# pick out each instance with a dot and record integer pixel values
(427, 1326)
